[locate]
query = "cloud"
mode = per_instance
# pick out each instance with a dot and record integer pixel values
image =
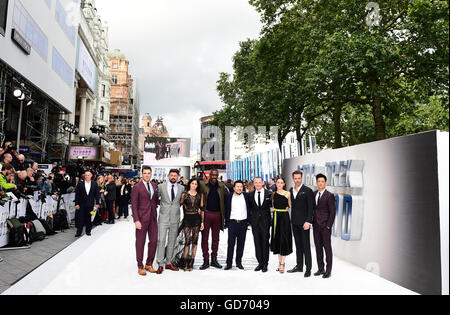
(176, 49)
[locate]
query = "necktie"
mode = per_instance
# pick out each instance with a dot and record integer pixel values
(149, 191)
(173, 193)
(259, 199)
(318, 199)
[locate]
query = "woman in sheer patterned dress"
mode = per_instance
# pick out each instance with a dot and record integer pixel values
(192, 202)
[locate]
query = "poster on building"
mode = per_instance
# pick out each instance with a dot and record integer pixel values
(167, 151)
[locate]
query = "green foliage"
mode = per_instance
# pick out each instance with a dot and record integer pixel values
(318, 68)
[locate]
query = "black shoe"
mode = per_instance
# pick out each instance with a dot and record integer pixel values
(77, 235)
(264, 269)
(228, 267)
(308, 273)
(259, 268)
(240, 266)
(205, 265)
(319, 273)
(295, 269)
(215, 264)
(88, 234)
(326, 275)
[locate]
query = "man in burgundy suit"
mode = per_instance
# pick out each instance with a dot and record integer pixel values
(144, 200)
(324, 215)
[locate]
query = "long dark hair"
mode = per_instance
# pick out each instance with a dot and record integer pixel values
(191, 181)
(276, 189)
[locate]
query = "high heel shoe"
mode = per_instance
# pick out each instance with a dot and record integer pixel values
(186, 264)
(191, 264)
(282, 270)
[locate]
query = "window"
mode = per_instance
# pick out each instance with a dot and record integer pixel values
(102, 113)
(114, 78)
(114, 65)
(103, 91)
(62, 18)
(3, 15)
(62, 68)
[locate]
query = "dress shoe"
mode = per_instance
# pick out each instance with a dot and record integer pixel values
(160, 270)
(295, 269)
(205, 265)
(308, 273)
(240, 266)
(264, 269)
(228, 267)
(88, 234)
(259, 268)
(142, 272)
(78, 235)
(172, 267)
(326, 275)
(150, 269)
(215, 264)
(319, 273)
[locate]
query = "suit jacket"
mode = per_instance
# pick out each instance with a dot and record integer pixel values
(302, 206)
(228, 205)
(111, 189)
(126, 193)
(144, 208)
(87, 201)
(258, 214)
(204, 188)
(169, 212)
(325, 211)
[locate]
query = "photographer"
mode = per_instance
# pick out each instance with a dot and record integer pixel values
(20, 164)
(45, 185)
(20, 180)
(5, 178)
(7, 159)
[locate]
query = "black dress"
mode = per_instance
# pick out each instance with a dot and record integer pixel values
(281, 242)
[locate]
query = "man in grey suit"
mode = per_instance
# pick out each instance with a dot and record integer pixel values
(169, 220)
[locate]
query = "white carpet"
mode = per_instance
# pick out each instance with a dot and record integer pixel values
(105, 264)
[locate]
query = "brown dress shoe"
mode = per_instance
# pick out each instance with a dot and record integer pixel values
(150, 269)
(160, 270)
(172, 267)
(142, 272)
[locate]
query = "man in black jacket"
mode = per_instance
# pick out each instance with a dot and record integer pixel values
(302, 201)
(87, 196)
(260, 202)
(110, 197)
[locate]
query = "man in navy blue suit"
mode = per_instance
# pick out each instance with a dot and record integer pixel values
(87, 196)
(237, 221)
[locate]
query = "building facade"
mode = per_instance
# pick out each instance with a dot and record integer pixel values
(124, 112)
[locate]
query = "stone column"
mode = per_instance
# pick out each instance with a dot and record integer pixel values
(82, 126)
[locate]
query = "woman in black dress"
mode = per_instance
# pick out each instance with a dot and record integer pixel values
(192, 202)
(281, 241)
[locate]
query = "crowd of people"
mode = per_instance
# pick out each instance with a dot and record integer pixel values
(276, 216)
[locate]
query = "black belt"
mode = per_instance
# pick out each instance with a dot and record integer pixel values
(239, 221)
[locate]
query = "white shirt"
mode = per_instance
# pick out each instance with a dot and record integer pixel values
(87, 186)
(146, 187)
(262, 196)
(169, 189)
(238, 208)
(296, 192)
(321, 195)
(122, 190)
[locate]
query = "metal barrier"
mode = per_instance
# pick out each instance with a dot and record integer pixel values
(41, 209)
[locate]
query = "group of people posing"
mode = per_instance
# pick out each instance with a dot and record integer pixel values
(276, 217)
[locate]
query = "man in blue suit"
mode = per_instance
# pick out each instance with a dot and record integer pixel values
(87, 196)
(237, 221)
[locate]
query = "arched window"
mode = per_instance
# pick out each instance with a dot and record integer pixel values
(102, 113)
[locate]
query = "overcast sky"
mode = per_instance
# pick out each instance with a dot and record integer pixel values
(176, 49)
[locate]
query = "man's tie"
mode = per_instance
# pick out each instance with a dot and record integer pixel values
(259, 199)
(173, 193)
(149, 191)
(318, 199)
